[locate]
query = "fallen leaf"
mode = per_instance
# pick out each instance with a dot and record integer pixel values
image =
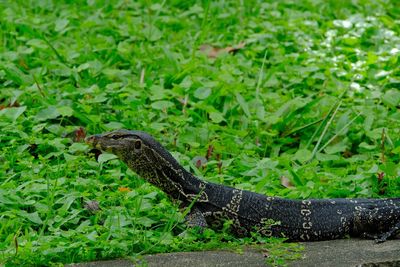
(286, 182)
(124, 189)
(77, 135)
(213, 52)
(234, 49)
(14, 104)
(210, 51)
(80, 135)
(23, 64)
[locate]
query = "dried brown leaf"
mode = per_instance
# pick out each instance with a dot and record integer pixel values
(14, 104)
(77, 135)
(213, 52)
(286, 182)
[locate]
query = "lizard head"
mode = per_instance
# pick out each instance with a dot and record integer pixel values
(119, 142)
(140, 152)
(132, 147)
(149, 159)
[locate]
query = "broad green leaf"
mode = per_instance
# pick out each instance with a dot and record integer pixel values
(390, 168)
(260, 110)
(70, 158)
(61, 24)
(152, 33)
(371, 58)
(77, 147)
(16, 75)
(162, 104)
(216, 117)
(125, 48)
(157, 126)
(202, 92)
(267, 163)
(391, 98)
(83, 66)
(99, 98)
(186, 83)
(12, 113)
(37, 43)
(326, 157)
(335, 148)
(367, 146)
(145, 221)
(243, 104)
(33, 217)
(296, 179)
(369, 120)
(6, 199)
(302, 155)
(341, 123)
(47, 114)
(65, 111)
(375, 133)
(272, 81)
(158, 92)
(56, 129)
(61, 70)
(22, 148)
(114, 125)
(396, 150)
(104, 157)
(92, 236)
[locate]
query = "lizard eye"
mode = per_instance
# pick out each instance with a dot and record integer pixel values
(138, 144)
(115, 137)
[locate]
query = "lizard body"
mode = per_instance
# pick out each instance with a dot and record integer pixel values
(298, 220)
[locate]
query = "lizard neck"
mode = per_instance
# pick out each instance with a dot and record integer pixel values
(165, 173)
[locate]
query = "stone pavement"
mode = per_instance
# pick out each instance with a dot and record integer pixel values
(337, 253)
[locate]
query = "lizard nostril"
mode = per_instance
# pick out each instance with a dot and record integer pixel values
(90, 139)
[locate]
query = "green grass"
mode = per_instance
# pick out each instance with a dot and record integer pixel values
(312, 100)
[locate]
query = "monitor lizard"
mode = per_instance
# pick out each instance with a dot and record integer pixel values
(211, 204)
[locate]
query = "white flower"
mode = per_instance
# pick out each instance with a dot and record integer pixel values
(347, 24)
(382, 73)
(394, 51)
(355, 86)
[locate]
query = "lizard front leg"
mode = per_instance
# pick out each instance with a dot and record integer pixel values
(390, 233)
(195, 218)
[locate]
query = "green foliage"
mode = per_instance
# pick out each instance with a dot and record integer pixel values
(313, 97)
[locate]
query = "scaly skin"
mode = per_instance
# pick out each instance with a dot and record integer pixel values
(298, 220)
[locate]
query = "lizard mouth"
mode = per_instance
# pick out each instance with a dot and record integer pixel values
(96, 141)
(92, 141)
(104, 143)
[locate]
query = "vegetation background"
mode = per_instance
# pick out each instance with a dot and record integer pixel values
(289, 98)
